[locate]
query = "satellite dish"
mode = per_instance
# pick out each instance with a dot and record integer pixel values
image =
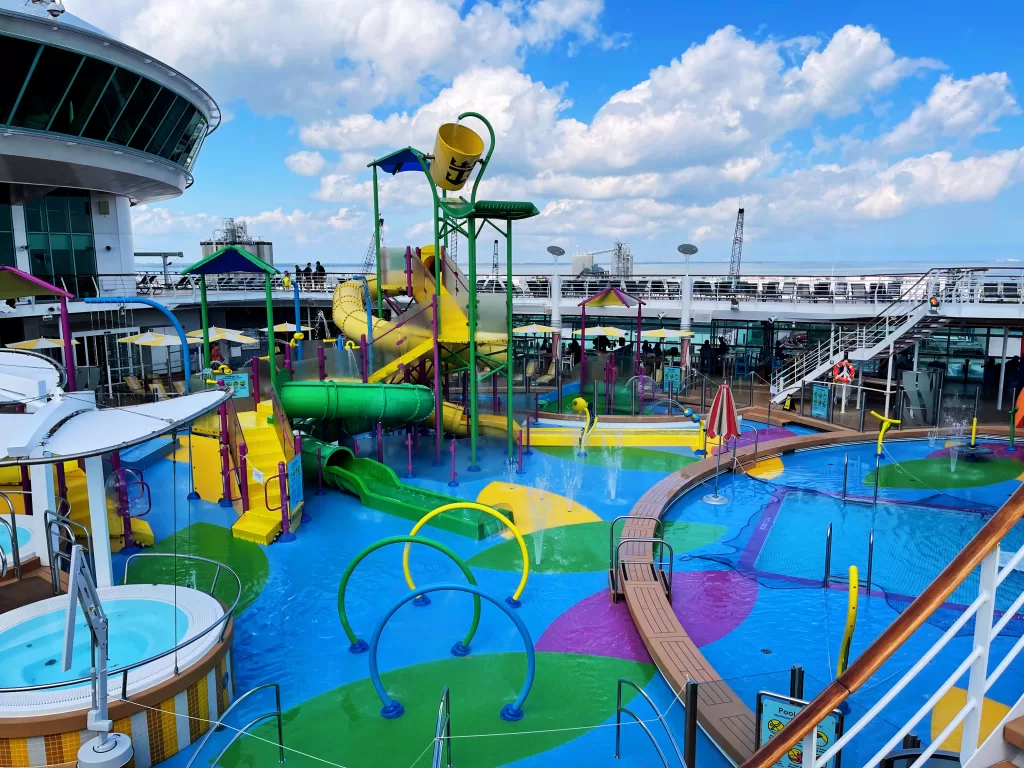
(555, 251)
(686, 249)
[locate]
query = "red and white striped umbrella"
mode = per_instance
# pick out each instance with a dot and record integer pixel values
(723, 421)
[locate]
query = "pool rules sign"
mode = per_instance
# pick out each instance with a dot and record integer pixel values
(775, 710)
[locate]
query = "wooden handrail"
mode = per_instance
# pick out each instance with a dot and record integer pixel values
(876, 654)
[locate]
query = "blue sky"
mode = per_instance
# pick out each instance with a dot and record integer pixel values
(859, 137)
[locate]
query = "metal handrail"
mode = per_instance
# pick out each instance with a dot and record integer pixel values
(659, 564)
(54, 525)
(220, 721)
(661, 719)
(125, 670)
(442, 733)
(12, 527)
(982, 550)
(659, 532)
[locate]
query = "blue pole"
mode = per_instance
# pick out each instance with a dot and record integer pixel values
(393, 708)
(298, 321)
(170, 316)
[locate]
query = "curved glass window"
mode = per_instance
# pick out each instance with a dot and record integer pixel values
(52, 89)
(60, 240)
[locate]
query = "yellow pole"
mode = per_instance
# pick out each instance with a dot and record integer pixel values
(974, 431)
(851, 622)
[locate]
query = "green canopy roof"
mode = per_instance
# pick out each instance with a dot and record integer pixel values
(230, 258)
(503, 209)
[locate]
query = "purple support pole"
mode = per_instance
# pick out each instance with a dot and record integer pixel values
(321, 362)
(320, 471)
(288, 357)
(26, 486)
(243, 471)
(62, 484)
(408, 270)
(520, 470)
(380, 442)
(536, 408)
(122, 497)
(69, 350)
(438, 436)
(408, 445)
(362, 355)
(609, 366)
(256, 380)
(282, 478)
(583, 350)
(453, 482)
(298, 452)
(225, 462)
(528, 451)
(637, 368)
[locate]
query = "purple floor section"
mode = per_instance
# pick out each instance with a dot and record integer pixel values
(709, 605)
(999, 451)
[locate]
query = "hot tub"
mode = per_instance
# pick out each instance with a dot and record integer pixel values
(145, 621)
(26, 547)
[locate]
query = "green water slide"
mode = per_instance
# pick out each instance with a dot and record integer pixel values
(378, 487)
(356, 403)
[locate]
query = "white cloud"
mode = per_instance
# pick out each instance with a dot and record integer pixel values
(305, 163)
(960, 109)
(148, 220)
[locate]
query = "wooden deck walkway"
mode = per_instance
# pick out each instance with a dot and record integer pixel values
(727, 720)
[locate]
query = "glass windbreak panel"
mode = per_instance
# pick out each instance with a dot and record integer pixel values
(57, 212)
(81, 212)
(61, 256)
(114, 98)
(82, 96)
(16, 57)
(132, 116)
(46, 88)
(39, 255)
(193, 151)
(167, 125)
(7, 256)
(175, 148)
(85, 254)
(152, 120)
(35, 215)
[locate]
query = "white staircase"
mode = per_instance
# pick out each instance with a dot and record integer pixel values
(906, 320)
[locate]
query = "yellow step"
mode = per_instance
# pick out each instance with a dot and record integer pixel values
(250, 527)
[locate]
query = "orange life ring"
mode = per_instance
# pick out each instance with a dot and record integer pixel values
(842, 372)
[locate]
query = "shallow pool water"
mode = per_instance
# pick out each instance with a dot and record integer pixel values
(139, 628)
(24, 536)
(747, 589)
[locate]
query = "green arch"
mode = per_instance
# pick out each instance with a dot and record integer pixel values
(359, 646)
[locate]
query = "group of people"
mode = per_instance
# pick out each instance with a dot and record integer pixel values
(310, 278)
(711, 357)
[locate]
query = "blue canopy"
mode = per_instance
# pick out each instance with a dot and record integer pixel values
(407, 159)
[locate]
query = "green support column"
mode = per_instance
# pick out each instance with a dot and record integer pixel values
(271, 356)
(473, 406)
(509, 349)
(206, 321)
(376, 238)
(438, 272)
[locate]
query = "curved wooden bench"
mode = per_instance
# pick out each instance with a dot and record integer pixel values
(721, 714)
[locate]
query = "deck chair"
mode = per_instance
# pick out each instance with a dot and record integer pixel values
(157, 388)
(135, 386)
(548, 377)
(179, 386)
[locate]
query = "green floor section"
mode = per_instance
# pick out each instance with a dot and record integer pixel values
(936, 473)
(583, 548)
(625, 457)
(345, 726)
(205, 540)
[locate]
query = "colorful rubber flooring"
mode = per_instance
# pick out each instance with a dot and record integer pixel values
(747, 589)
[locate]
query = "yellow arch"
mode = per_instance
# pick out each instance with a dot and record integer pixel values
(481, 508)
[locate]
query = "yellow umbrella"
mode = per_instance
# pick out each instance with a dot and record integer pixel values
(153, 339)
(287, 328)
(534, 328)
(666, 333)
(223, 334)
(602, 330)
(41, 343)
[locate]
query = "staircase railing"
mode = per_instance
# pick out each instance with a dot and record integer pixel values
(982, 550)
(276, 714)
(281, 426)
(896, 316)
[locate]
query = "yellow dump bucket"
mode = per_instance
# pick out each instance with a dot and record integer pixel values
(456, 149)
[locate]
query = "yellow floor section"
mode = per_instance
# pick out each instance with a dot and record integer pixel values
(630, 438)
(767, 469)
(992, 712)
(533, 508)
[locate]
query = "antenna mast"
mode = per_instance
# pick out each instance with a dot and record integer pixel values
(737, 249)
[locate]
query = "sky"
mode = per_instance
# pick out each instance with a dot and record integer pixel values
(858, 137)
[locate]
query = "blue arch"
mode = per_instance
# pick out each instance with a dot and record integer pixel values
(393, 708)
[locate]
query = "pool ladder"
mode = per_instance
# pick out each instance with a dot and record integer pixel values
(688, 757)
(443, 733)
(62, 533)
(842, 578)
(656, 565)
(12, 529)
(239, 732)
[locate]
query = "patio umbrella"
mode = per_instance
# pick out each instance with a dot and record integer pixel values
(723, 423)
(287, 328)
(223, 334)
(534, 328)
(666, 333)
(602, 330)
(153, 339)
(41, 343)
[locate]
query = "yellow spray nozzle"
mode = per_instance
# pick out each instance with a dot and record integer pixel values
(299, 336)
(351, 345)
(886, 423)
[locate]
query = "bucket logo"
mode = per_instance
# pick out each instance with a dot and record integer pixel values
(458, 173)
(775, 725)
(796, 754)
(822, 739)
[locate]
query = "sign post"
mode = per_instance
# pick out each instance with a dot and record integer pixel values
(774, 711)
(819, 401)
